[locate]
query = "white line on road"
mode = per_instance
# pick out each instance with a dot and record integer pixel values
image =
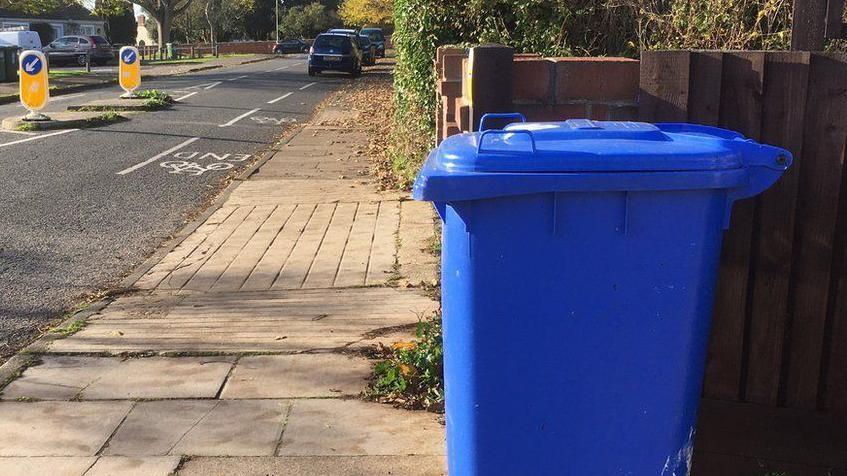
(212, 85)
(23, 133)
(238, 77)
(185, 97)
(281, 67)
(38, 137)
(296, 64)
(157, 157)
(254, 111)
(308, 85)
(273, 101)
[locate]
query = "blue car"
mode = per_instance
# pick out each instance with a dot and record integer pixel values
(335, 52)
(377, 38)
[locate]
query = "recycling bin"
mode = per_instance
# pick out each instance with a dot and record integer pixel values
(578, 276)
(8, 64)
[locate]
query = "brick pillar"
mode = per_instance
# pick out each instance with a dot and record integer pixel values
(490, 90)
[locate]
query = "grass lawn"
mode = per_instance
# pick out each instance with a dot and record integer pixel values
(67, 73)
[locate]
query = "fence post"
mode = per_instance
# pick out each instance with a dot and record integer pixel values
(488, 87)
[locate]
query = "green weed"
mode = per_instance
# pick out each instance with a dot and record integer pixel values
(412, 375)
(70, 329)
(156, 99)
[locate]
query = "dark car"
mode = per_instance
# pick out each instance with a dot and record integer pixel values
(368, 50)
(377, 38)
(335, 52)
(290, 46)
(74, 48)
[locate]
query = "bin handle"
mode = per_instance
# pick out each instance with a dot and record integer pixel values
(492, 132)
(499, 115)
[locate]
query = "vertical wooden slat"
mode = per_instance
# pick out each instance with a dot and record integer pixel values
(705, 90)
(783, 108)
(835, 370)
(820, 182)
(741, 110)
(663, 94)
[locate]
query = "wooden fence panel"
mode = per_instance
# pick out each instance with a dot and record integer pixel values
(779, 334)
(783, 109)
(820, 184)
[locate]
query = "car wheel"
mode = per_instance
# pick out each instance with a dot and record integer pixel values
(312, 72)
(80, 60)
(356, 72)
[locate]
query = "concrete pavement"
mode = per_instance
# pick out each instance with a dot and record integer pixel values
(241, 350)
(81, 208)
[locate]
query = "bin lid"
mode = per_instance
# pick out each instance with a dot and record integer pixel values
(582, 145)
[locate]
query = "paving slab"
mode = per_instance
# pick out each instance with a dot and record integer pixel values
(417, 235)
(298, 376)
(58, 428)
(271, 321)
(353, 427)
(46, 465)
(286, 191)
(98, 378)
(130, 466)
(257, 248)
(208, 428)
(314, 465)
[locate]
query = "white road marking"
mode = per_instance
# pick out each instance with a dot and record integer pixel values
(296, 64)
(198, 86)
(282, 67)
(248, 113)
(238, 77)
(157, 157)
(62, 98)
(274, 101)
(308, 85)
(185, 97)
(21, 141)
(212, 85)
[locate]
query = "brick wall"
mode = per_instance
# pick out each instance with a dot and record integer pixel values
(544, 89)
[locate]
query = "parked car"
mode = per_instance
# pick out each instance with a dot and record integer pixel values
(368, 50)
(290, 46)
(377, 38)
(335, 52)
(73, 49)
(23, 39)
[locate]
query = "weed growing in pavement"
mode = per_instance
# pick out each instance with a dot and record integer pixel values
(72, 328)
(27, 127)
(412, 374)
(105, 118)
(156, 99)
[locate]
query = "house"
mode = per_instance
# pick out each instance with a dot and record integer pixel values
(72, 19)
(143, 35)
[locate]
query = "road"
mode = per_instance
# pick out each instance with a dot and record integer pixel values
(81, 209)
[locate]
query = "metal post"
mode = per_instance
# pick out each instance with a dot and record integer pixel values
(276, 24)
(88, 61)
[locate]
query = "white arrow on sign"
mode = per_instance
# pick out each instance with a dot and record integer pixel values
(30, 67)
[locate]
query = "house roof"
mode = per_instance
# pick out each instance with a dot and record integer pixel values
(68, 12)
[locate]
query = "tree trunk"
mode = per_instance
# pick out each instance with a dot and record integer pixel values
(164, 29)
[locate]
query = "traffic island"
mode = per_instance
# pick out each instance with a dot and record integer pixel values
(113, 105)
(64, 120)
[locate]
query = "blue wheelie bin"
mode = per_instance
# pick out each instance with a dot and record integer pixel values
(578, 273)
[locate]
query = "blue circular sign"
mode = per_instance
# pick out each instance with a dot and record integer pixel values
(31, 64)
(129, 57)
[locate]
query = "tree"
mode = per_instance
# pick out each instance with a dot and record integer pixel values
(44, 30)
(367, 12)
(306, 21)
(121, 25)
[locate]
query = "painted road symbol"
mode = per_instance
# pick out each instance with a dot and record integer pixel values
(188, 155)
(182, 167)
(35, 91)
(129, 70)
(273, 120)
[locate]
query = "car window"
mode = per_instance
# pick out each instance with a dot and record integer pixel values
(61, 42)
(375, 35)
(364, 41)
(335, 42)
(100, 41)
(83, 41)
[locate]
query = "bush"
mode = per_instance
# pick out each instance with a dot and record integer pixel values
(306, 21)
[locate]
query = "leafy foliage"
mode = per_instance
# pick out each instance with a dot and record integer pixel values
(362, 13)
(156, 99)
(413, 375)
(306, 21)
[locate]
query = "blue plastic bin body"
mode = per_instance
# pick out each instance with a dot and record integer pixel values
(578, 275)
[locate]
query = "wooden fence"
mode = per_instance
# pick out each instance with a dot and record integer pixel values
(779, 335)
